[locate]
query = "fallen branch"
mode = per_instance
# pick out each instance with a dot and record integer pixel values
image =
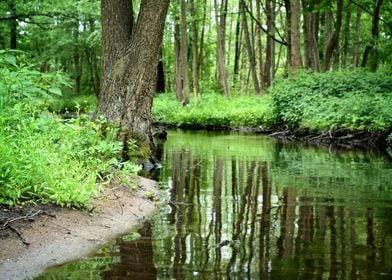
(28, 216)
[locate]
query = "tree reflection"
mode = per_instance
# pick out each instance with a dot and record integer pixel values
(232, 217)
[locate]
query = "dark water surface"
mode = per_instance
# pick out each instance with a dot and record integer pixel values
(248, 207)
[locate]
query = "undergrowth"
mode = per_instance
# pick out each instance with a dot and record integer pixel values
(44, 158)
(214, 110)
(356, 100)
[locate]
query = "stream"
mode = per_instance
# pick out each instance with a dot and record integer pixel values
(244, 206)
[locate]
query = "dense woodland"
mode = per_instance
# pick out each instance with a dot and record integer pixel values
(321, 66)
(235, 47)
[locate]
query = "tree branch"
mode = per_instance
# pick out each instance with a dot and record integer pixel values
(280, 41)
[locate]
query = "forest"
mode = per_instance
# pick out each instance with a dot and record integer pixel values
(311, 69)
(264, 127)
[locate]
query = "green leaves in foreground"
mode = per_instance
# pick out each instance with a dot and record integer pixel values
(42, 157)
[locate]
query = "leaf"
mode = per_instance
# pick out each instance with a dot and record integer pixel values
(55, 90)
(10, 59)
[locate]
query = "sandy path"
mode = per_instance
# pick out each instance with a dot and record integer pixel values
(60, 235)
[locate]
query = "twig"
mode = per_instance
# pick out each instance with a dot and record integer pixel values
(7, 223)
(19, 235)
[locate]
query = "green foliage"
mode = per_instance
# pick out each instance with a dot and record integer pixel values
(70, 104)
(214, 111)
(42, 157)
(357, 100)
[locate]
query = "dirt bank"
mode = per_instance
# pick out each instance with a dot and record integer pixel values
(36, 237)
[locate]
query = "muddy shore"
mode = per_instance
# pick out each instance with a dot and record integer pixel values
(37, 237)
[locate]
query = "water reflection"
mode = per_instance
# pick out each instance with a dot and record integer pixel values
(246, 207)
(283, 213)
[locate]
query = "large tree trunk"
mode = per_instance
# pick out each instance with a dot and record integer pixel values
(250, 50)
(133, 77)
(117, 23)
(296, 60)
(333, 41)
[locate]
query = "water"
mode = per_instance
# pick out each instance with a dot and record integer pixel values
(248, 207)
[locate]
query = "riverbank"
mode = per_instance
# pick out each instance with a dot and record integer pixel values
(37, 237)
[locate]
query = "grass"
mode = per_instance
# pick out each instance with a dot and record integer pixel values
(214, 110)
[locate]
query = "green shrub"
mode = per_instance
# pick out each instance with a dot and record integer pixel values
(44, 158)
(214, 111)
(357, 100)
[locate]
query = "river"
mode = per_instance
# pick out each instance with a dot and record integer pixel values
(239, 206)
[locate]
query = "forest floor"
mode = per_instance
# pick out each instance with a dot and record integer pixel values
(33, 238)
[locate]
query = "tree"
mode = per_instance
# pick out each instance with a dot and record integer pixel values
(184, 65)
(375, 34)
(296, 60)
(220, 18)
(132, 77)
(333, 41)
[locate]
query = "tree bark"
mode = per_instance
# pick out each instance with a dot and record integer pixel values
(375, 33)
(250, 50)
(333, 41)
(117, 24)
(346, 34)
(269, 65)
(133, 76)
(177, 59)
(13, 26)
(312, 60)
(184, 56)
(296, 60)
(357, 37)
(220, 18)
(195, 56)
(259, 46)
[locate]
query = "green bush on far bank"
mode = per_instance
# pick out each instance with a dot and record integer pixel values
(214, 111)
(356, 100)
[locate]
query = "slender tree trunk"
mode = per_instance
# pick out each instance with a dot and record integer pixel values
(78, 67)
(296, 60)
(250, 50)
(333, 41)
(177, 48)
(259, 46)
(375, 33)
(117, 23)
(184, 56)
(357, 38)
(287, 6)
(346, 34)
(92, 57)
(133, 76)
(269, 65)
(201, 51)
(312, 60)
(195, 57)
(220, 18)
(237, 42)
(13, 26)
(161, 84)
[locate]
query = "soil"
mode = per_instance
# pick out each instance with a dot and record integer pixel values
(34, 238)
